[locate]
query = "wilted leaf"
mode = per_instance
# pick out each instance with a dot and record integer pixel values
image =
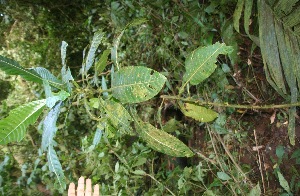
(136, 84)
(198, 112)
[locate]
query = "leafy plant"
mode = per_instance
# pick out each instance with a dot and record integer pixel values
(129, 85)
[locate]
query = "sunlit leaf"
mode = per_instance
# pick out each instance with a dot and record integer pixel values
(117, 115)
(91, 54)
(55, 167)
(136, 84)
(13, 127)
(49, 127)
(162, 141)
(198, 113)
(200, 64)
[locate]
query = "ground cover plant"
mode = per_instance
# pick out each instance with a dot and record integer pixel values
(167, 97)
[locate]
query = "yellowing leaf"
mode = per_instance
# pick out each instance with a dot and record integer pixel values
(117, 115)
(198, 113)
(162, 141)
(134, 84)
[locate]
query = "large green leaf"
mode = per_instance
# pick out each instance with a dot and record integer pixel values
(117, 115)
(13, 127)
(37, 74)
(12, 67)
(136, 84)
(200, 64)
(162, 141)
(199, 113)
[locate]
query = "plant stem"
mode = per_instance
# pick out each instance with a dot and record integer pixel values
(259, 107)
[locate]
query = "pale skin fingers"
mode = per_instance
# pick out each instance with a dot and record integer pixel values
(81, 190)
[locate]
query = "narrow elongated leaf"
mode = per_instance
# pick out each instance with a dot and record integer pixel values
(13, 127)
(200, 64)
(136, 84)
(63, 52)
(280, 48)
(162, 141)
(237, 15)
(101, 64)
(12, 67)
(198, 112)
(117, 115)
(91, 54)
(283, 182)
(49, 127)
(55, 167)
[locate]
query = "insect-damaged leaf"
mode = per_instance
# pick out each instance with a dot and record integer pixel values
(198, 112)
(200, 64)
(162, 141)
(117, 115)
(134, 84)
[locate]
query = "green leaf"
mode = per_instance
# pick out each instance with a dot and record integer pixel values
(37, 74)
(223, 176)
(49, 127)
(198, 112)
(118, 116)
(60, 96)
(55, 167)
(200, 64)
(91, 54)
(12, 67)
(102, 62)
(283, 183)
(13, 127)
(136, 84)
(49, 77)
(162, 141)
(237, 14)
(139, 172)
(255, 191)
(65, 72)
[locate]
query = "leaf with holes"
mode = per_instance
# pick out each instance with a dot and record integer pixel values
(198, 112)
(162, 141)
(118, 116)
(13, 127)
(200, 64)
(136, 84)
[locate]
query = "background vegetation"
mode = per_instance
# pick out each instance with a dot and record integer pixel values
(244, 151)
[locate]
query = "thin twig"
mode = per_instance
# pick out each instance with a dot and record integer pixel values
(261, 107)
(260, 168)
